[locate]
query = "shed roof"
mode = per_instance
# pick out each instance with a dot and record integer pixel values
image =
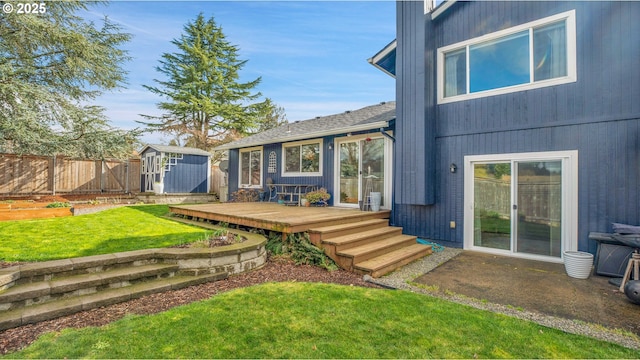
(175, 149)
(367, 118)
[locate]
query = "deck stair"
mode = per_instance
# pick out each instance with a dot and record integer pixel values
(369, 246)
(43, 291)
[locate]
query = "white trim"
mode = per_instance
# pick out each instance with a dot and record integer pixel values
(381, 54)
(572, 73)
(316, 134)
(569, 217)
(249, 150)
(209, 175)
(320, 143)
(442, 8)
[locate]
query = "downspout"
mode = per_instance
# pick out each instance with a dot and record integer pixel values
(393, 174)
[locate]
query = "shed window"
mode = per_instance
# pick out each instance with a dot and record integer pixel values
(302, 158)
(251, 167)
(537, 54)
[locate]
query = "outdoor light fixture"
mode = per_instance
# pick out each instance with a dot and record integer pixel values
(330, 146)
(453, 168)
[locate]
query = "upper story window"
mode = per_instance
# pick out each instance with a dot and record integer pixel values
(251, 167)
(302, 158)
(536, 54)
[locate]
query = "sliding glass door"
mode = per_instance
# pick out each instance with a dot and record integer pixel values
(520, 206)
(363, 167)
(539, 208)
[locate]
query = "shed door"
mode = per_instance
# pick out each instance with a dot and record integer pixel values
(149, 170)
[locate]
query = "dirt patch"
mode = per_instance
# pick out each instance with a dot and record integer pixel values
(276, 269)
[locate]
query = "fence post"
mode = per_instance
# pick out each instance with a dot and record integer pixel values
(102, 176)
(126, 176)
(53, 176)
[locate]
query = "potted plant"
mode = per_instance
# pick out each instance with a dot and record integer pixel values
(158, 187)
(304, 201)
(318, 197)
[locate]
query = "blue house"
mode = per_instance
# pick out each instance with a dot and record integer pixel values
(515, 131)
(517, 123)
(349, 154)
(175, 169)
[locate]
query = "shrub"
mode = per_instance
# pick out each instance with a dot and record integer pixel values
(299, 249)
(245, 195)
(59, 204)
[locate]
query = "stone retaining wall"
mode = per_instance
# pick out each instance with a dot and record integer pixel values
(232, 259)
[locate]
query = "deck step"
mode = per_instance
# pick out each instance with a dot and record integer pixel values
(328, 232)
(360, 238)
(71, 305)
(42, 291)
(386, 263)
(376, 248)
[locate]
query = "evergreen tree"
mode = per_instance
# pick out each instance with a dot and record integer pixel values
(269, 117)
(52, 64)
(205, 101)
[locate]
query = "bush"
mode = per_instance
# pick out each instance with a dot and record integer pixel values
(299, 249)
(245, 195)
(59, 204)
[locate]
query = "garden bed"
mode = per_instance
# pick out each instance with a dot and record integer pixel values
(23, 210)
(41, 207)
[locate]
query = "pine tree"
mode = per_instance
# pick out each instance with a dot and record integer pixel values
(205, 101)
(52, 64)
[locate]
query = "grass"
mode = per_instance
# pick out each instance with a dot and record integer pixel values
(115, 230)
(292, 320)
(302, 320)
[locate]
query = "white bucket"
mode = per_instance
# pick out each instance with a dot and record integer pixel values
(376, 198)
(578, 264)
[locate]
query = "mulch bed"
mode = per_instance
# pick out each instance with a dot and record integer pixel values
(275, 270)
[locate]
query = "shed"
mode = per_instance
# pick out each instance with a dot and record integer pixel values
(174, 169)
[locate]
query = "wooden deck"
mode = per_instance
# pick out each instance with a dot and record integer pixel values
(275, 217)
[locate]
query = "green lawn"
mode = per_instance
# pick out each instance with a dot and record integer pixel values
(109, 231)
(283, 320)
(302, 320)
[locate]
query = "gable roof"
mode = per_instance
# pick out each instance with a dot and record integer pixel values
(367, 118)
(175, 149)
(385, 59)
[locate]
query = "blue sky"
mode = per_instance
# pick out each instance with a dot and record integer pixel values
(311, 55)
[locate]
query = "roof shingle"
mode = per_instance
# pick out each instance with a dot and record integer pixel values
(370, 117)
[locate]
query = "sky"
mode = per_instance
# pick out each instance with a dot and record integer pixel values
(311, 55)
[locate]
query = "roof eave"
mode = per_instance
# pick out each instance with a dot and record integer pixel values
(380, 55)
(361, 127)
(178, 151)
(442, 8)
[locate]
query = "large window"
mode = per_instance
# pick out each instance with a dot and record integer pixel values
(251, 167)
(536, 54)
(302, 158)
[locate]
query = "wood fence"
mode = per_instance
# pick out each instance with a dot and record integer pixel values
(51, 175)
(218, 180)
